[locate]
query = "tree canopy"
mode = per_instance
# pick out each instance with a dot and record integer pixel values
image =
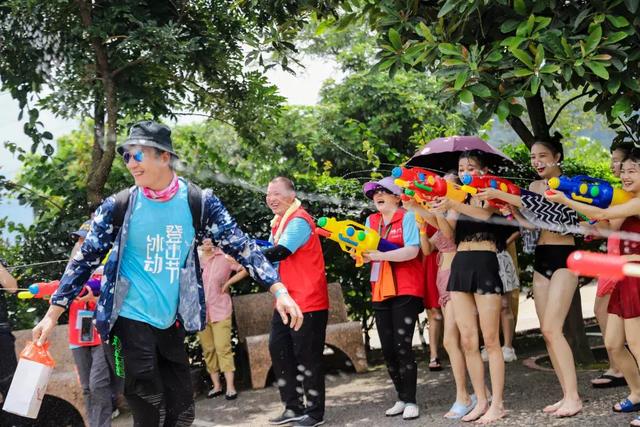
(500, 55)
(115, 62)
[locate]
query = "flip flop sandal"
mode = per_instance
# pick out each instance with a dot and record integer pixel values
(460, 409)
(613, 381)
(627, 406)
(436, 365)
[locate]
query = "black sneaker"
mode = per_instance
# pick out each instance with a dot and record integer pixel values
(287, 416)
(308, 421)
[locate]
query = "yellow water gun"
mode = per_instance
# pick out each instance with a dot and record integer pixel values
(353, 238)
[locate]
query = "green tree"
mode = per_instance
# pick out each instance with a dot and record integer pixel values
(114, 61)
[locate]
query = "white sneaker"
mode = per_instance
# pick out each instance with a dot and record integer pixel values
(484, 354)
(396, 409)
(411, 412)
(509, 354)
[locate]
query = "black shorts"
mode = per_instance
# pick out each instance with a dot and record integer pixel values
(549, 258)
(155, 361)
(475, 272)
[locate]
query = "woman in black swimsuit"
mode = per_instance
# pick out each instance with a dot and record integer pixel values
(553, 284)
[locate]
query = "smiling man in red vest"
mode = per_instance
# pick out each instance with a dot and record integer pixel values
(297, 355)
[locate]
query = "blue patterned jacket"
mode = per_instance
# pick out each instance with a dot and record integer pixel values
(217, 224)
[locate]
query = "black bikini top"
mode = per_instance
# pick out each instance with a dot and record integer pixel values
(469, 229)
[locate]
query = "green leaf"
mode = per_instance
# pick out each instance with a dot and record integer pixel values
(425, 32)
(567, 48)
(567, 71)
(632, 5)
(461, 79)
(598, 69)
(466, 96)
(615, 37)
(394, 38)
(513, 42)
(543, 22)
(535, 84)
(447, 7)
(503, 110)
(581, 17)
(522, 72)
(613, 85)
(550, 69)
(593, 40)
(526, 27)
(520, 7)
(539, 56)
(509, 25)
(47, 135)
(452, 62)
(449, 49)
(631, 83)
(523, 56)
(618, 21)
(621, 107)
(494, 56)
(480, 90)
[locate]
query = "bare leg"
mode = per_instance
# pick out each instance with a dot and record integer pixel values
(561, 289)
(215, 379)
(540, 298)
(507, 320)
(231, 387)
(465, 313)
(615, 339)
(489, 309)
(456, 357)
(600, 310)
(435, 332)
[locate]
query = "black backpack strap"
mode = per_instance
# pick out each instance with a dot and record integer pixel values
(194, 195)
(120, 208)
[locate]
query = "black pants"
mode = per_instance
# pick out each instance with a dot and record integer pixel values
(157, 374)
(8, 361)
(396, 320)
(296, 357)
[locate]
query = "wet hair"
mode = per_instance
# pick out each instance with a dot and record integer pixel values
(555, 146)
(624, 146)
(286, 181)
(633, 155)
(475, 155)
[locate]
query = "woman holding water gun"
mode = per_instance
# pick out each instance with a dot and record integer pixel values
(397, 280)
(612, 377)
(443, 242)
(553, 284)
(623, 322)
(476, 288)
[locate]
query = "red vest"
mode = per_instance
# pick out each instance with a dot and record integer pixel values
(408, 275)
(302, 272)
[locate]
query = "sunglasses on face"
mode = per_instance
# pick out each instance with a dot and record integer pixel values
(381, 190)
(138, 156)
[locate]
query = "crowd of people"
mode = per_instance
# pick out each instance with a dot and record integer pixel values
(170, 253)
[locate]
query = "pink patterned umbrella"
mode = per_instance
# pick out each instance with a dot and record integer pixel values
(441, 154)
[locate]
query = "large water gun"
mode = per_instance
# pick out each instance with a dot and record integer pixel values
(353, 238)
(424, 185)
(593, 264)
(593, 191)
(44, 290)
(472, 183)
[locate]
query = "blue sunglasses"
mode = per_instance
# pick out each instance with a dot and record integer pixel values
(138, 156)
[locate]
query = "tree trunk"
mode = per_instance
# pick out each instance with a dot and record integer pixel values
(103, 150)
(575, 333)
(535, 108)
